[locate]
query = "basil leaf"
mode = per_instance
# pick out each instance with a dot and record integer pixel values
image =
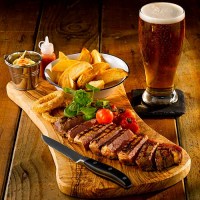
(82, 98)
(102, 103)
(88, 112)
(71, 110)
(69, 90)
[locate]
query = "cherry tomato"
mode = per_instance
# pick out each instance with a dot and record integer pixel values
(127, 113)
(104, 116)
(130, 123)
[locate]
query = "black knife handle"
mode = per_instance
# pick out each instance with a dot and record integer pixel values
(108, 172)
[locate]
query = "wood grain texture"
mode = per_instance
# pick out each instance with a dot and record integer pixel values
(116, 34)
(188, 79)
(14, 35)
(75, 180)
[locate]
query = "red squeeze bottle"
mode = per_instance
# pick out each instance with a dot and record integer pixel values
(47, 53)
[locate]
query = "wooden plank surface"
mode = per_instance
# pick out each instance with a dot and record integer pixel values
(16, 35)
(188, 79)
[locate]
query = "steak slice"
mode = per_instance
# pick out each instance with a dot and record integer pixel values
(111, 148)
(106, 135)
(130, 151)
(145, 159)
(167, 155)
(85, 137)
(80, 127)
(65, 123)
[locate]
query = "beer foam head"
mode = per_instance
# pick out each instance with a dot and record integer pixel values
(162, 13)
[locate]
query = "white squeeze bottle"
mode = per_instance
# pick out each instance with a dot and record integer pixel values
(47, 53)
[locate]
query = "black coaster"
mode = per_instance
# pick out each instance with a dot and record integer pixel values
(174, 110)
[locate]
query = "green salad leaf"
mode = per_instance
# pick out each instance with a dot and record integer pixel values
(83, 103)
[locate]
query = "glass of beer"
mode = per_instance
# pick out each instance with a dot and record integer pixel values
(161, 33)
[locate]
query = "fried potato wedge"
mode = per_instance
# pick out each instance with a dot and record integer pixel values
(111, 75)
(57, 75)
(96, 56)
(86, 77)
(62, 56)
(74, 72)
(85, 56)
(62, 65)
(67, 81)
(100, 67)
(98, 84)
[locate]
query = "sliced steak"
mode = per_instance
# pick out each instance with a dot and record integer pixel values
(85, 137)
(111, 148)
(65, 123)
(106, 135)
(80, 127)
(145, 159)
(167, 155)
(130, 151)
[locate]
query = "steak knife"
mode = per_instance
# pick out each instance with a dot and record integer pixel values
(95, 166)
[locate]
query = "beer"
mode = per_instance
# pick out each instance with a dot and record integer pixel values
(161, 34)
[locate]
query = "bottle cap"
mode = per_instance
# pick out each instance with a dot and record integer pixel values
(46, 47)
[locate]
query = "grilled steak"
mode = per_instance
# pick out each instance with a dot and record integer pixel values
(167, 155)
(106, 135)
(78, 128)
(112, 141)
(145, 159)
(85, 137)
(111, 148)
(65, 123)
(130, 151)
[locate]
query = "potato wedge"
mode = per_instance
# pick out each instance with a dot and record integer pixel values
(57, 76)
(98, 84)
(100, 67)
(111, 75)
(62, 65)
(74, 71)
(96, 56)
(62, 56)
(86, 77)
(85, 56)
(68, 82)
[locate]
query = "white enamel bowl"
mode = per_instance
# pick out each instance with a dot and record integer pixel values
(108, 90)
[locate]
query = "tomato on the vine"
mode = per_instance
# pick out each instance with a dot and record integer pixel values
(127, 120)
(127, 113)
(130, 123)
(104, 116)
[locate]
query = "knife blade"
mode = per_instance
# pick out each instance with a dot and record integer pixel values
(95, 166)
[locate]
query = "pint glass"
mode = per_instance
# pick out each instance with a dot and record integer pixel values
(161, 33)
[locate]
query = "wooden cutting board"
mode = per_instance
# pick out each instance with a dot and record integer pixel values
(76, 180)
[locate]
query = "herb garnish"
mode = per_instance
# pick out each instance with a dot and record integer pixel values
(83, 103)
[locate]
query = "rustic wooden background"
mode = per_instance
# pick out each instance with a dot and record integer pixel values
(111, 27)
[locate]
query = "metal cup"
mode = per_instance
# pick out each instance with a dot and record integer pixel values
(24, 77)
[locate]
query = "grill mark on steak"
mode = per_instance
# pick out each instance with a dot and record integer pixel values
(167, 155)
(96, 144)
(86, 136)
(65, 123)
(130, 151)
(115, 144)
(145, 159)
(78, 128)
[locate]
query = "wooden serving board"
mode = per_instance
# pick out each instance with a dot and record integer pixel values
(76, 180)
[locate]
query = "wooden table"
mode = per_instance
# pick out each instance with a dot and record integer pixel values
(111, 27)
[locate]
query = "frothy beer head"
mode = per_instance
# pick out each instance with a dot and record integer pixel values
(162, 13)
